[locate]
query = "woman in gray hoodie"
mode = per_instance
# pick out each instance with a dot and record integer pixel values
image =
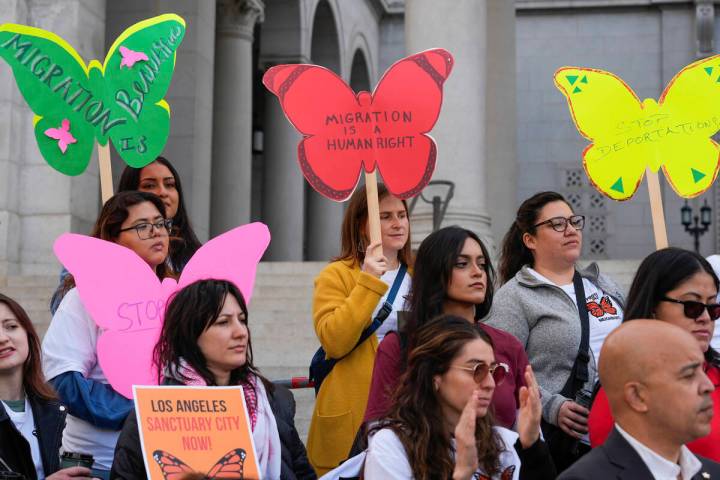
(538, 304)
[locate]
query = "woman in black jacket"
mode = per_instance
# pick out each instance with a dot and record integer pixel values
(31, 418)
(205, 341)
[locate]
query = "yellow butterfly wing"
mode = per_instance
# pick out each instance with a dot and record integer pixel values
(691, 106)
(606, 111)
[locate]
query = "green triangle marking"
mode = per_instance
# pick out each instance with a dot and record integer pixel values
(697, 176)
(572, 79)
(577, 90)
(709, 70)
(718, 80)
(584, 79)
(618, 186)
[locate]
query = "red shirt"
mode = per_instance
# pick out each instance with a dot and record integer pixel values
(388, 369)
(600, 422)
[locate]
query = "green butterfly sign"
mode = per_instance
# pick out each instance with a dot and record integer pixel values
(75, 104)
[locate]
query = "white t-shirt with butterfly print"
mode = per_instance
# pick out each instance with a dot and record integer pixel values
(386, 458)
(603, 313)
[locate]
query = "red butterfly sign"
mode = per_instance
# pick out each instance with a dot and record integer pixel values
(597, 310)
(344, 131)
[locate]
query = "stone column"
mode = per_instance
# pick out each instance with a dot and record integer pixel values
(460, 130)
(232, 117)
(283, 185)
(322, 228)
(501, 131)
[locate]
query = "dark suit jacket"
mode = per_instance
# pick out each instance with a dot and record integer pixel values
(617, 459)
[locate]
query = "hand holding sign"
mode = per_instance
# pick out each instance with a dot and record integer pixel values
(629, 136)
(125, 298)
(120, 100)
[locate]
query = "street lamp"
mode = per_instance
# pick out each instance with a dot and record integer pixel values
(696, 225)
(439, 192)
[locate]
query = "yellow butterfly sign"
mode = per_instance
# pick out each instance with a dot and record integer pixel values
(629, 135)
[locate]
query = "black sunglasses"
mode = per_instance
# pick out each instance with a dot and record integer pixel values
(693, 309)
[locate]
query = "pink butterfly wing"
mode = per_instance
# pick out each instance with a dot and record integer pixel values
(232, 256)
(125, 299)
(316, 101)
(413, 87)
(54, 133)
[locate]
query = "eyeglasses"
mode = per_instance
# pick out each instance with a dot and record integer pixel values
(559, 224)
(481, 370)
(693, 309)
(145, 230)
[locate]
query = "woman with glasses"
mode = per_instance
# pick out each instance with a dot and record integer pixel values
(538, 303)
(160, 178)
(96, 412)
(679, 287)
(441, 426)
(453, 275)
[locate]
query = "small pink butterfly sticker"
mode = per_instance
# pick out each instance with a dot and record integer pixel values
(129, 57)
(62, 135)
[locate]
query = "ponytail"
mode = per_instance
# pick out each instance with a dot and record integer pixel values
(514, 254)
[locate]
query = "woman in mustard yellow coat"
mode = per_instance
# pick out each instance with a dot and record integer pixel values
(348, 294)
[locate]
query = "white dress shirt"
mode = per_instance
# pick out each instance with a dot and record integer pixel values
(661, 468)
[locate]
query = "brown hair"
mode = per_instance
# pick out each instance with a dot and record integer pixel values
(33, 378)
(354, 238)
(112, 215)
(416, 416)
(515, 254)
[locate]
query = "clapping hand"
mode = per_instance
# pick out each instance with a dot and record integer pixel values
(466, 459)
(530, 412)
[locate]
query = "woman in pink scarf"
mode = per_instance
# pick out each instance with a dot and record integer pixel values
(205, 340)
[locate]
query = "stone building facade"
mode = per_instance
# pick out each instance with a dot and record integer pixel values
(503, 134)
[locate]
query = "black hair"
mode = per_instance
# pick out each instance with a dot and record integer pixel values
(663, 271)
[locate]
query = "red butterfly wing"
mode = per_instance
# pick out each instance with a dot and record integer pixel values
(607, 306)
(507, 474)
(172, 467)
(595, 309)
(229, 466)
(411, 92)
(322, 108)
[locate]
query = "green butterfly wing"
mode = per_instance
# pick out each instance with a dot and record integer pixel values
(53, 79)
(135, 90)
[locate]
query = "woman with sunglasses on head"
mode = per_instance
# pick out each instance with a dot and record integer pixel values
(96, 412)
(679, 287)
(538, 303)
(349, 295)
(440, 424)
(452, 275)
(161, 179)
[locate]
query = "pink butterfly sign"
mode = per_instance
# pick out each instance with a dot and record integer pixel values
(127, 301)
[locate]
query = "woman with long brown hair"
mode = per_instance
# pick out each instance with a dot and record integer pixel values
(31, 418)
(349, 294)
(96, 412)
(440, 425)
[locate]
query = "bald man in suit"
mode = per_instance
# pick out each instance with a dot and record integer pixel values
(659, 395)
